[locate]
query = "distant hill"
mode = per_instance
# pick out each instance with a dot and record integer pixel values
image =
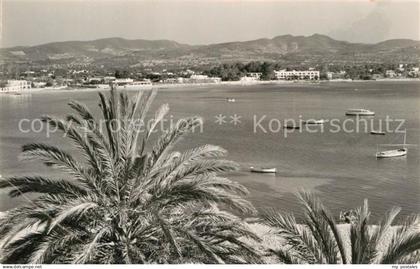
(101, 48)
(119, 52)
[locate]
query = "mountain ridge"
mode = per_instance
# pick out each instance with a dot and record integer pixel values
(316, 48)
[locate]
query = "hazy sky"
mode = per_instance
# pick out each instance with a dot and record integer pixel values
(31, 22)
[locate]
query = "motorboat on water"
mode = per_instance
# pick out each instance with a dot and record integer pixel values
(392, 153)
(263, 169)
(359, 112)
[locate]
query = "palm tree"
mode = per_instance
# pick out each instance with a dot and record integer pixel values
(118, 202)
(320, 241)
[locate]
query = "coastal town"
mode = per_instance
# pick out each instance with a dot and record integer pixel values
(84, 78)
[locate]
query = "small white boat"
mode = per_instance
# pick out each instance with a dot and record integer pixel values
(359, 112)
(231, 100)
(392, 153)
(263, 169)
(314, 122)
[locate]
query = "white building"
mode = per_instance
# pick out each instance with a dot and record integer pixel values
(295, 75)
(16, 86)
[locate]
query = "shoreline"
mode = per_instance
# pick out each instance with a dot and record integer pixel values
(205, 85)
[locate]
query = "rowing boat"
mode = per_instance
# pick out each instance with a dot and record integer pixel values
(263, 169)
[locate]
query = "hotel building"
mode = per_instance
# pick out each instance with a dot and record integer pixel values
(16, 86)
(295, 75)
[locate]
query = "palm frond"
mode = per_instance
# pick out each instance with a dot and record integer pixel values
(206, 249)
(169, 235)
(20, 249)
(142, 103)
(319, 227)
(337, 235)
(53, 156)
(38, 184)
(188, 191)
(159, 115)
(244, 250)
(412, 258)
(301, 241)
(73, 211)
(88, 251)
(83, 111)
(46, 251)
(362, 250)
(285, 257)
(410, 224)
(78, 137)
(401, 246)
(186, 158)
(382, 230)
(385, 224)
(168, 139)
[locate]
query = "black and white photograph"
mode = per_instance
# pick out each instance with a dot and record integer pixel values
(208, 132)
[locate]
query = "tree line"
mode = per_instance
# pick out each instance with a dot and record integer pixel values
(234, 71)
